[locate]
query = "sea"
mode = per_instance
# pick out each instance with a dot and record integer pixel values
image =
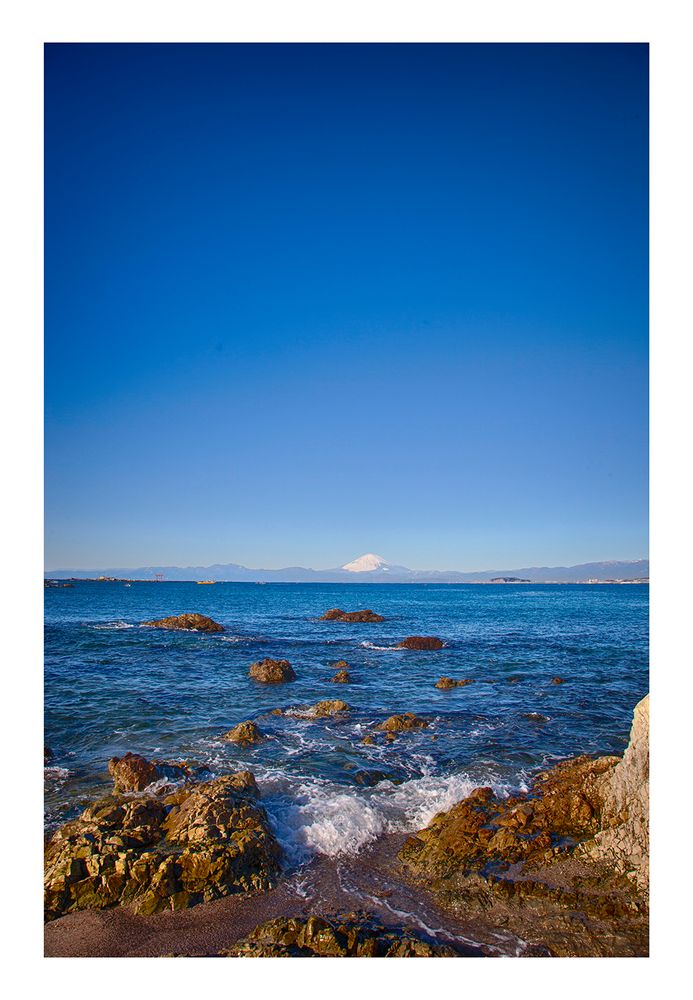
(113, 686)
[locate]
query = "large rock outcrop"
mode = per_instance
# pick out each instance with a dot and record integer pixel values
(169, 852)
(577, 843)
(187, 623)
(623, 838)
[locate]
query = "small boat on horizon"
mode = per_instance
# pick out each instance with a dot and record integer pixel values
(205, 581)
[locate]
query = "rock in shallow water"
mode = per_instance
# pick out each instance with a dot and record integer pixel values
(425, 642)
(200, 843)
(399, 723)
(269, 671)
(337, 615)
(351, 936)
(187, 623)
(244, 732)
(447, 683)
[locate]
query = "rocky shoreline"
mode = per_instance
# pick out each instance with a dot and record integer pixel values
(562, 868)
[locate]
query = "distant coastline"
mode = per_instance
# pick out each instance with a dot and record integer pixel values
(369, 568)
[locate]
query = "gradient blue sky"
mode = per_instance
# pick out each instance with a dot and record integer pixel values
(304, 302)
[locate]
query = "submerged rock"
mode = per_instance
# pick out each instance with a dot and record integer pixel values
(200, 843)
(187, 623)
(421, 642)
(557, 680)
(535, 717)
(244, 732)
(269, 671)
(399, 723)
(351, 936)
(370, 777)
(337, 615)
(446, 683)
(578, 842)
(47, 755)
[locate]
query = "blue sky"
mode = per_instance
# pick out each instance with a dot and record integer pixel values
(304, 302)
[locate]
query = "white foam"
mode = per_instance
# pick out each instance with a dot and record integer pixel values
(319, 817)
(56, 773)
(388, 649)
(112, 625)
(241, 638)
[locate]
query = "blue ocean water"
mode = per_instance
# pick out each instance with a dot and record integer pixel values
(112, 686)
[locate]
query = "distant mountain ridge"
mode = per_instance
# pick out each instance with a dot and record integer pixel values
(371, 568)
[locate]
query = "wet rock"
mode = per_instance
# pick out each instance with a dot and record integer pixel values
(187, 623)
(47, 755)
(330, 707)
(400, 723)
(337, 615)
(557, 680)
(577, 843)
(535, 717)
(426, 642)
(341, 677)
(351, 936)
(368, 740)
(133, 773)
(447, 683)
(200, 843)
(244, 732)
(269, 671)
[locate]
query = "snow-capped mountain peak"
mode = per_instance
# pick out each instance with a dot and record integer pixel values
(366, 564)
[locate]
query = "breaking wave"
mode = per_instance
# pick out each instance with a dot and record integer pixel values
(319, 817)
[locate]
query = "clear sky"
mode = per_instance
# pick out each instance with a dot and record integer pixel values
(304, 302)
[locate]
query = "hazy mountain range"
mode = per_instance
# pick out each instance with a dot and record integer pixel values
(371, 568)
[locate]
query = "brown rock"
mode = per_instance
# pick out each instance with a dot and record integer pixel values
(421, 642)
(187, 623)
(447, 683)
(341, 677)
(200, 843)
(132, 772)
(269, 671)
(576, 846)
(399, 723)
(337, 615)
(557, 680)
(244, 732)
(351, 936)
(368, 740)
(330, 707)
